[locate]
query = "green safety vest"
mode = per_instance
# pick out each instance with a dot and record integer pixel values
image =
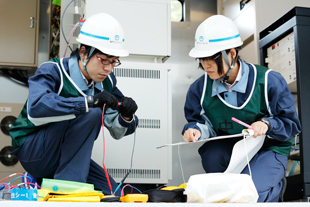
(220, 112)
(22, 127)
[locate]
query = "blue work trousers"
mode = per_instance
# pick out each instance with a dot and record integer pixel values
(62, 150)
(268, 168)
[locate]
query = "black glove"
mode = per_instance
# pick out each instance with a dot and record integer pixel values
(128, 107)
(102, 98)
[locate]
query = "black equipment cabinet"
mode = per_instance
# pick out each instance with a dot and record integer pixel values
(296, 21)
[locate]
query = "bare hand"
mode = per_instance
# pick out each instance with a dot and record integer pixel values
(260, 128)
(191, 135)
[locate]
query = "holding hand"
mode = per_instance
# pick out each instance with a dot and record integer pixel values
(102, 98)
(128, 107)
(260, 128)
(191, 135)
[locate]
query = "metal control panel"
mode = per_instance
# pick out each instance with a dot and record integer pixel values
(284, 47)
(281, 58)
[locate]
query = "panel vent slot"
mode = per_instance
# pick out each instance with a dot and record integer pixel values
(135, 173)
(136, 73)
(149, 123)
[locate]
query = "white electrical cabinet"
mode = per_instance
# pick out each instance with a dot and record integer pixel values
(19, 33)
(148, 85)
(147, 28)
(244, 18)
(146, 23)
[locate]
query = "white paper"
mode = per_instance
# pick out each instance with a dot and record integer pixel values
(243, 151)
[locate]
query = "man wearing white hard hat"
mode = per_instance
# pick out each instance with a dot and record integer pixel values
(253, 94)
(56, 130)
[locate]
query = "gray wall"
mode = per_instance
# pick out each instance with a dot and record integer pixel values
(268, 11)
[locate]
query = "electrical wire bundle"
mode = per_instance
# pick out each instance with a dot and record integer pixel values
(27, 183)
(105, 170)
(18, 76)
(128, 185)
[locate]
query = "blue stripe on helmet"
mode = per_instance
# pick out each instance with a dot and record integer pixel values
(95, 36)
(223, 39)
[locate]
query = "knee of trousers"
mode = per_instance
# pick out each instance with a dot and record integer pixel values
(92, 118)
(214, 159)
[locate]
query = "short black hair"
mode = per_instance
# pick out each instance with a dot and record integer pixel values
(76, 52)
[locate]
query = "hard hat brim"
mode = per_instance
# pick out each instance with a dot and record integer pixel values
(197, 52)
(201, 53)
(108, 51)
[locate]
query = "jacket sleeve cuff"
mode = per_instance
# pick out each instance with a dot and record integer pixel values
(80, 106)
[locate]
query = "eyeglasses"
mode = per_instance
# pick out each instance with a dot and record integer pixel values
(209, 58)
(107, 62)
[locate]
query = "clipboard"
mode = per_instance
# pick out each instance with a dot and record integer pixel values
(199, 141)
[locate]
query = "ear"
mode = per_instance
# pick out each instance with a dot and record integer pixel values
(82, 55)
(233, 52)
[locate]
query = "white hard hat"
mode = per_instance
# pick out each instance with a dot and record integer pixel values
(215, 34)
(103, 32)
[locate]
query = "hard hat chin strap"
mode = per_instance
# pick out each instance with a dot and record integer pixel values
(226, 76)
(92, 49)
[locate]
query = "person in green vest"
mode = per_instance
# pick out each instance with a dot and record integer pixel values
(54, 134)
(231, 87)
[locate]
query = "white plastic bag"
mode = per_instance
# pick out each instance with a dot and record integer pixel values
(221, 188)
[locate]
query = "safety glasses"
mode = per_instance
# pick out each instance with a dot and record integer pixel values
(107, 62)
(213, 58)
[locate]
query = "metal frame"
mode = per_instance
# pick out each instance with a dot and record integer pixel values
(296, 20)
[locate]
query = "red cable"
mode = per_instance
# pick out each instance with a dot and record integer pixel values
(105, 170)
(122, 193)
(14, 175)
(4, 178)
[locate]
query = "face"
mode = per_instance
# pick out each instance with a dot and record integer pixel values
(211, 68)
(99, 67)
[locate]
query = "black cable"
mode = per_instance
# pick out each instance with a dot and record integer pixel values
(133, 150)
(17, 75)
(61, 24)
(134, 143)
